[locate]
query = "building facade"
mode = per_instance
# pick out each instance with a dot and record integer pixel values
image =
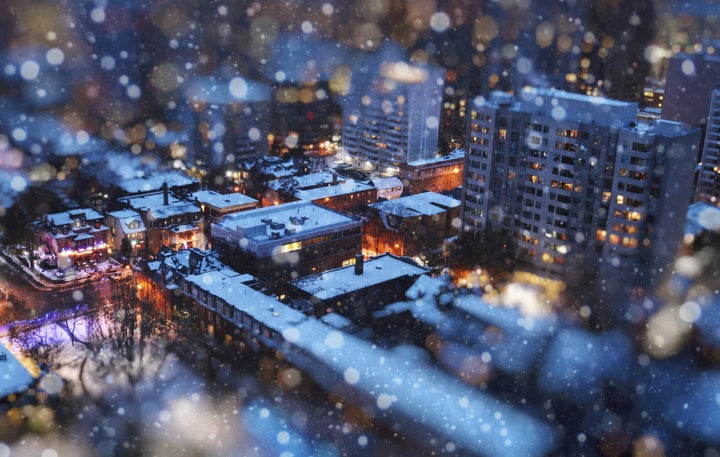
(416, 226)
(286, 240)
(708, 185)
(170, 221)
(126, 224)
(571, 179)
(74, 236)
(394, 119)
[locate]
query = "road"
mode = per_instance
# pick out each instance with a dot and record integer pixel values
(32, 301)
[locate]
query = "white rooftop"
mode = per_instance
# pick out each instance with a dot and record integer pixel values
(457, 154)
(393, 383)
(567, 106)
(127, 216)
(224, 200)
(155, 182)
(150, 201)
(347, 187)
(232, 287)
(65, 217)
(422, 204)
(376, 271)
(14, 377)
(295, 220)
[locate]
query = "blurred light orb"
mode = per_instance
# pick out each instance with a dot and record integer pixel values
(238, 87)
(19, 134)
(439, 22)
(30, 70)
(688, 67)
(55, 56)
(97, 15)
(18, 183)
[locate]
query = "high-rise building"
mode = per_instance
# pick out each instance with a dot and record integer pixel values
(394, 118)
(228, 120)
(708, 185)
(689, 82)
(573, 179)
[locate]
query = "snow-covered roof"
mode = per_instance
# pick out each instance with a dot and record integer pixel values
(232, 287)
(67, 217)
(561, 105)
(177, 209)
(127, 217)
(424, 203)
(14, 377)
(376, 271)
(224, 201)
(390, 182)
(150, 201)
(347, 187)
(418, 394)
(289, 221)
(156, 181)
(457, 154)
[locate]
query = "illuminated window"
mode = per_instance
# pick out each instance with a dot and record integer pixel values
(601, 235)
(291, 247)
(502, 134)
(620, 200)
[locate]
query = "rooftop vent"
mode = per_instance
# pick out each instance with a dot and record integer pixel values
(277, 225)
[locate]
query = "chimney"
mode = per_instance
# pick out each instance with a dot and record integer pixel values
(334, 178)
(166, 197)
(359, 264)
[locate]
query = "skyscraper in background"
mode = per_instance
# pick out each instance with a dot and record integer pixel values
(393, 117)
(573, 179)
(708, 185)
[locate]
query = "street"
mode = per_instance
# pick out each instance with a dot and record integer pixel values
(21, 300)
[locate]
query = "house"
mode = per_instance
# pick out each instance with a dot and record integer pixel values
(73, 236)
(126, 224)
(170, 221)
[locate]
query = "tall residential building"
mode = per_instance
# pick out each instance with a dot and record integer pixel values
(394, 118)
(574, 179)
(228, 119)
(689, 82)
(708, 185)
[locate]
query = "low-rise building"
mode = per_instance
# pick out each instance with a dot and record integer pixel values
(126, 224)
(323, 188)
(73, 236)
(214, 205)
(170, 221)
(356, 291)
(436, 174)
(287, 240)
(416, 225)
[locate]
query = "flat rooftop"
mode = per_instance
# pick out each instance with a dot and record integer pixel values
(224, 201)
(295, 218)
(376, 271)
(422, 204)
(150, 201)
